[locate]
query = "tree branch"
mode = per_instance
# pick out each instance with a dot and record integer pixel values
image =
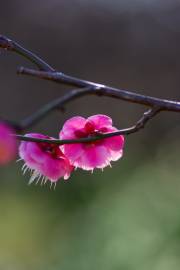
(84, 88)
(53, 105)
(99, 89)
(13, 46)
(148, 115)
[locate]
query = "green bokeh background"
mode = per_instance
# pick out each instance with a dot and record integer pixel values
(127, 217)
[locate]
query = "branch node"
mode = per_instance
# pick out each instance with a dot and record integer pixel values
(6, 43)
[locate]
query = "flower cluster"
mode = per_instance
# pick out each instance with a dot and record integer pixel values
(50, 162)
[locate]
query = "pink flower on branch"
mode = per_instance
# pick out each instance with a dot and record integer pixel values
(91, 155)
(44, 160)
(8, 144)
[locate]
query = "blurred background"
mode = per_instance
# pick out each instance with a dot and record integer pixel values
(129, 216)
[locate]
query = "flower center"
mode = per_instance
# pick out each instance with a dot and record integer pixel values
(51, 149)
(89, 131)
(86, 131)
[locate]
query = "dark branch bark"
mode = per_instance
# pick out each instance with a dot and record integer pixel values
(53, 105)
(99, 89)
(139, 125)
(84, 88)
(11, 45)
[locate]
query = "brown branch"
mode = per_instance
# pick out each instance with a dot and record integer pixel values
(53, 105)
(49, 73)
(61, 102)
(13, 46)
(139, 125)
(84, 88)
(99, 89)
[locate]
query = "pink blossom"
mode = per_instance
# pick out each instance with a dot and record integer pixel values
(7, 144)
(44, 160)
(96, 154)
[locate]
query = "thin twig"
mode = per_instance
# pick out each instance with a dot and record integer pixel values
(148, 115)
(11, 45)
(53, 105)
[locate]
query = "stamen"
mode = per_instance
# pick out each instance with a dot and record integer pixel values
(51, 183)
(23, 166)
(25, 170)
(33, 177)
(19, 160)
(54, 185)
(46, 179)
(42, 180)
(38, 179)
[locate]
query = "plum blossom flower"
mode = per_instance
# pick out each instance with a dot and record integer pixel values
(8, 144)
(90, 155)
(44, 160)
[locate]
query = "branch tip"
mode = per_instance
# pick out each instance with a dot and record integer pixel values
(6, 43)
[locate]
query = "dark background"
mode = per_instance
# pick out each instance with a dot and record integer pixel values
(129, 216)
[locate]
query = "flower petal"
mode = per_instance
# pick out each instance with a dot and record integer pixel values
(100, 120)
(71, 125)
(93, 157)
(115, 143)
(73, 151)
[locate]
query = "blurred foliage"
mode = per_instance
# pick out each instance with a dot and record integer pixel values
(125, 218)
